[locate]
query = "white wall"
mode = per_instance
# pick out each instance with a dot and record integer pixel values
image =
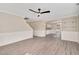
(57, 9)
(70, 29)
(13, 28)
(11, 37)
(39, 28)
(70, 36)
(12, 23)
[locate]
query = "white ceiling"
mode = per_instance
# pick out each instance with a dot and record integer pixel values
(57, 9)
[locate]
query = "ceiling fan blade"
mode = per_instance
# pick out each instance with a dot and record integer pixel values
(45, 12)
(33, 11)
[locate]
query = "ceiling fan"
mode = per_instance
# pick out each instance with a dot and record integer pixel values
(39, 12)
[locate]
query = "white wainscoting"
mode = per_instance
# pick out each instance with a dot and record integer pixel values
(8, 38)
(70, 36)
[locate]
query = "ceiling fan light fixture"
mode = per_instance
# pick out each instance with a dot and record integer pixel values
(39, 9)
(39, 12)
(26, 18)
(38, 16)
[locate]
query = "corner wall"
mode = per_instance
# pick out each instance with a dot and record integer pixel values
(39, 28)
(13, 29)
(70, 29)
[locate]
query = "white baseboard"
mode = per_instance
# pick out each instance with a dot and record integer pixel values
(70, 36)
(8, 38)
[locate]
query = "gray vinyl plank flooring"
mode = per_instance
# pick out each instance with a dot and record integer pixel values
(41, 46)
